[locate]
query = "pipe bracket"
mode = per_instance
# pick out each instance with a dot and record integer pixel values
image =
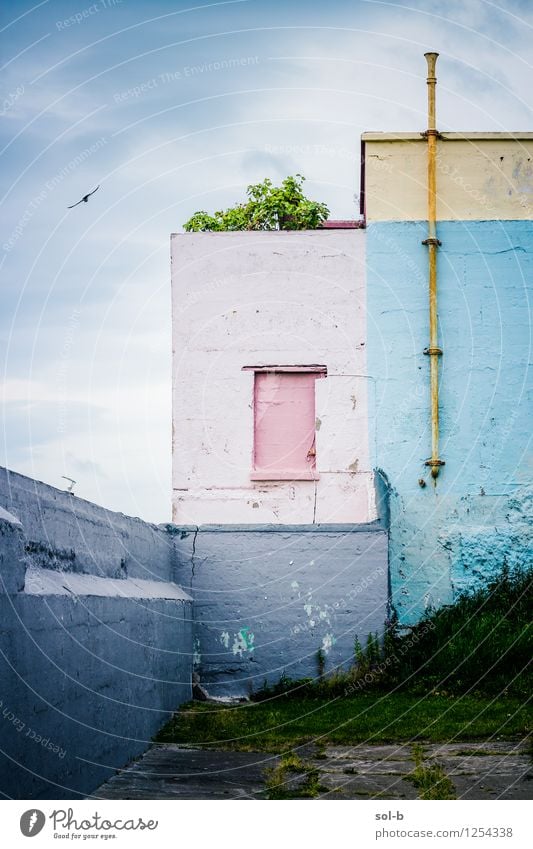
(433, 351)
(435, 133)
(432, 241)
(435, 467)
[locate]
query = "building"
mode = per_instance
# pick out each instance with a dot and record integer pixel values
(270, 378)
(302, 413)
(477, 517)
(305, 509)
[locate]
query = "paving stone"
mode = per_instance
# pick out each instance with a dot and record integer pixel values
(366, 787)
(492, 787)
(168, 771)
(372, 753)
(477, 770)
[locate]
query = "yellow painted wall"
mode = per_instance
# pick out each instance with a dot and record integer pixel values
(483, 177)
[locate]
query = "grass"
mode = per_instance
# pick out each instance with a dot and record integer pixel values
(292, 778)
(281, 724)
(483, 642)
(430, 779)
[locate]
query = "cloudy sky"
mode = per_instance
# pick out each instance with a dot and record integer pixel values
(173, 107)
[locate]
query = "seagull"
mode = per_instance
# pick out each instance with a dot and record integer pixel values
(85, 198)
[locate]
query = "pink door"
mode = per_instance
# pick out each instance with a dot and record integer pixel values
(284, 426)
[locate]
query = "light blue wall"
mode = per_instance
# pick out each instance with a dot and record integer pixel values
(447, 537)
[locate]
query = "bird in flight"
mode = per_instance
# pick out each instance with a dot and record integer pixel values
(85, 198)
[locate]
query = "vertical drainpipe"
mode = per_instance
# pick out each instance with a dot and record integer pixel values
(433, 351)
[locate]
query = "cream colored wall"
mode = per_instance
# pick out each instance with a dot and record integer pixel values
(483, 177)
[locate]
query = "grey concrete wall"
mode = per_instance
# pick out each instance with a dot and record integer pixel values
(268, 597)
(95, 639)
(73, 535)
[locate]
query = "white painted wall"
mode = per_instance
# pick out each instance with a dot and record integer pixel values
(259, 298)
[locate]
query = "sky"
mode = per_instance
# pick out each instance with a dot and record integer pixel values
(171, 107)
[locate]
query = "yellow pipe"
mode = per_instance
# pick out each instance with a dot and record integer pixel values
(432, 242)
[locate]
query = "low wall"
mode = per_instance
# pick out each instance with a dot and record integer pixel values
(95, 639)
(266, 598)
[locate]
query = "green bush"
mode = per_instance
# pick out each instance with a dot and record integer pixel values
(268, 207)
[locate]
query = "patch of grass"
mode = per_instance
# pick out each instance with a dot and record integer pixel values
(430, 779)
(281, 723)
(292, 779)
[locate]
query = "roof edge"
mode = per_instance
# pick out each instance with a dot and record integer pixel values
(466, 136)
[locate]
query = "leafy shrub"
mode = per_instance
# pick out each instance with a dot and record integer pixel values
(268, 207)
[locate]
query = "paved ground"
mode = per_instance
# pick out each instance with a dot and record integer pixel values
(477, 771)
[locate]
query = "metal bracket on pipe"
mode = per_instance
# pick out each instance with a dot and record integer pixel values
(435, 466)
(435, 133)
(432, 241)
(433, 351)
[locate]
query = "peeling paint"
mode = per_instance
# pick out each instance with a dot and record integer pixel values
(328, 641)
(196, 655)
(243, 642)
